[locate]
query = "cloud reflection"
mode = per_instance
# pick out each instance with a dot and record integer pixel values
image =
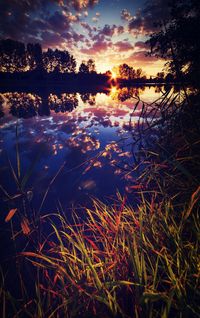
(85, 143)
(80, 127)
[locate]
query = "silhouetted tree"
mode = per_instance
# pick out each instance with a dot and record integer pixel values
(12, 56)
(72, 64)
(34, 55)
(178, 39)
(59, 61)
(15, 57)
(87, 67)
(128, 72)
(48, 60)
(169, 77)
(108, 73)
(139, 73)
(83, 68)
(91, 66)
(125, 71)
(160, 77)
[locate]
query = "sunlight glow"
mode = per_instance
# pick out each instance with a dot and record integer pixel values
(113, 92)
(113, 75)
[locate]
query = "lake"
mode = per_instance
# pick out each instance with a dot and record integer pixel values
(74, 146)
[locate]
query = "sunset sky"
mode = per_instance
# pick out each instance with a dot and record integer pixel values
(111, 32)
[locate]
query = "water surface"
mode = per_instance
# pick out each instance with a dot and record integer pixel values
(88, 136)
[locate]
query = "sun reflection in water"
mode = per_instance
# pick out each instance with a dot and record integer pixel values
(113, 92)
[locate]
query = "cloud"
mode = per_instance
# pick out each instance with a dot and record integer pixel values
(123, 46)
(101, 38)
(141, 45)
(61, 24)
(56, 30)
(28, 20)
(143, 22)
(95, 19)
(59, 21)
(38, 24)
(108, 31)
(96, 48)
(141, 57)
(77, 37)
(13, 18)
(86, 26)
(120, 29)
(51, 39)
(126, 15)
(79, 5)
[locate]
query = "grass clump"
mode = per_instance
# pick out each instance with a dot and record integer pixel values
(121, 262)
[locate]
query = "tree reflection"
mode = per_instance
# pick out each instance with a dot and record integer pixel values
(66, 102)
(1, 111)
(43, 109)
(26, 105)
(124, 93)
(1, 106)
(23, 105)
(88, 98)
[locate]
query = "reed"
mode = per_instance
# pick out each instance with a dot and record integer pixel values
(121, 262)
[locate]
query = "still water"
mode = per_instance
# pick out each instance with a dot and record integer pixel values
(84, 140)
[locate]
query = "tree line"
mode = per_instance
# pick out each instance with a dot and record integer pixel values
(17, 57)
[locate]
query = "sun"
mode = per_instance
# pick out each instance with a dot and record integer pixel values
(113, 75)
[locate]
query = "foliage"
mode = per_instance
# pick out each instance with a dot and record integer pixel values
(12, 56)
(91, 66)
(178, 39)
(87, 67)
(59, 61)
(34, 56)
(15, 57)
(127, 72)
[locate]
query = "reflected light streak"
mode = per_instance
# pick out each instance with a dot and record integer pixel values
(113, 92)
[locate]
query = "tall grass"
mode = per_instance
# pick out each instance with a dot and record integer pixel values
(121, 262)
